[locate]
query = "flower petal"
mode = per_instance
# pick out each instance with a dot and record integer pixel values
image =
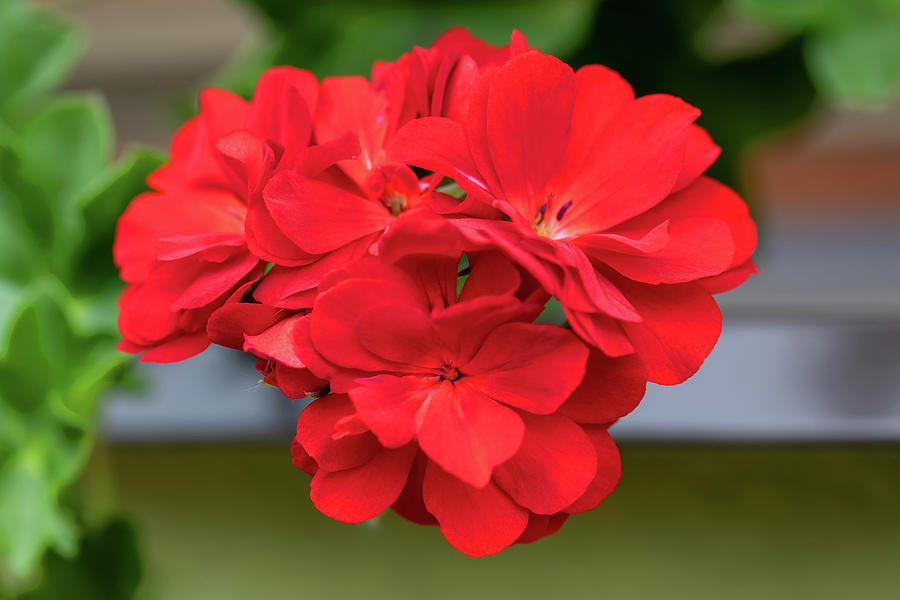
(467, 433)
(317, 433)
(681, 325)
(553, 466)
(611, 388)
(528, 124)
(531, 366)
(609, 470)
(476, 521)
(388, 405)
(320, 217)
(363, 492)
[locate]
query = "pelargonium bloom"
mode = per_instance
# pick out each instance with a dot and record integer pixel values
(605, 201)
(332, 218)
(468, 381)
(183, 249)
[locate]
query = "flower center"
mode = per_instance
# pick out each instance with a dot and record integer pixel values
(449, 372)
(395, 202)
(545, 225)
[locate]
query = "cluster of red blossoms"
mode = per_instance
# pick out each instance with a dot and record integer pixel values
(385, 246)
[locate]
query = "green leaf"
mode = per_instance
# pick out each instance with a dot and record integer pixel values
(30, 518)
(35, 355)
(859, 63)
(63, 149)
(10, 295)
(65, 146)
(26, 221)
(108, 566)
(311, 36)
(100, 208)
(37, 50)
(852, 48)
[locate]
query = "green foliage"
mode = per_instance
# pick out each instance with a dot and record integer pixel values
(36, 52)
(343, 38)
(744, 98)
(107, 567)
(852, 48)
(59, 200)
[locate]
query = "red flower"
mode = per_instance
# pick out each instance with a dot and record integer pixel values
(437, 81)
(328, 219)
(184, 250)
(283, 227)
(607, 207)
(468, 381)
(559, 468)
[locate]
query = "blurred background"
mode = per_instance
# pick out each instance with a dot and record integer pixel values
(774, 472)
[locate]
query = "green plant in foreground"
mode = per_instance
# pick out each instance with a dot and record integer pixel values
(60, 196)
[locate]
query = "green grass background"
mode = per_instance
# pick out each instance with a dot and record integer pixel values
(687, 521)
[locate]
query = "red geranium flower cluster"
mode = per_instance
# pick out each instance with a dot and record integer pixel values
(316, 227)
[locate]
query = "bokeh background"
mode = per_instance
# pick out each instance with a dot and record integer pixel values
(774, 472)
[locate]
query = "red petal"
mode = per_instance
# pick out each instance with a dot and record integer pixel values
(437, 144)
(319, 217)
(151, 217)
(467, 433)
(730, 279)
(530, 366)
(228, 324)
(609, 470)
(611, 388)
(492, 274)
(696, 247)
(332, 326)
(633, 165)
(465, 326)
(699, 154)
(681, 325)
(553, 466)
(178, 348)
(602, 95)
(296, 383)
(529, 120)
(282, 104)
(295, 287)
(316, 432)
(301, 459)
(540, 526)
(361, 493)
(410, 504)
(707, 197)
(388, 405)
(401, 334)
(351, 104)
(277, 342)
(600, 331)
(477, 522)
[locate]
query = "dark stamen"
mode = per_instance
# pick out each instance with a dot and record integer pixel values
(562, 211)
(540, 217)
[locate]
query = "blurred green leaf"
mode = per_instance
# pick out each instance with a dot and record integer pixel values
(10, 294)
(26, 220)
(852, 48)
(345, 39)
(35, 354)
(65, 146)
(37, 50)
(108, 567)
(859, 63)
(30, 518)
(59, 201)
(743, 99)
(100, 208)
